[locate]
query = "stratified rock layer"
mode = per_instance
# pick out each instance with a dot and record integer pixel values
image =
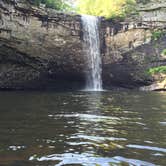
(37, 45)
(132, 47)
(42, 48)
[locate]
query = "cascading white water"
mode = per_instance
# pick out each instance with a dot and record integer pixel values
(92, 47)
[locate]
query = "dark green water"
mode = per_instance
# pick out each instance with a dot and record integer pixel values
(82, 129)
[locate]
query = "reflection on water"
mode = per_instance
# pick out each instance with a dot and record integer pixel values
(82, 128)
(89, 160)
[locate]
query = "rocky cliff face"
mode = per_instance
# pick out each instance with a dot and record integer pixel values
(43, 48)
(135, 45)
(38, 45)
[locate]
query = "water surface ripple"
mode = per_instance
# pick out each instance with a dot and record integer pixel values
(82, 128)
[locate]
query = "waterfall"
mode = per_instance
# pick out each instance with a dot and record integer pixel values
(92, 50)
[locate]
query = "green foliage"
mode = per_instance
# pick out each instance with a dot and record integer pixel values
(55, 4)
(106, 8)
(164, 52)
(157, 70)
(156, 35)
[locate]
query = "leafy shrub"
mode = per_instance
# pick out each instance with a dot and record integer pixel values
(157, 70)
(164, 52)
(157, 35)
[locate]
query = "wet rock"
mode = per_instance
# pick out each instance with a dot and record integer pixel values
(155, 86)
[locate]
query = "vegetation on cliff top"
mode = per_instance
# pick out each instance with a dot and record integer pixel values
(104, 8)
(54, 4)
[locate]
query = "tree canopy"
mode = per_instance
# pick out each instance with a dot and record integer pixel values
(105, 8)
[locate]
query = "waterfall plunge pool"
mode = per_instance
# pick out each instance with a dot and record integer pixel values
(82, 128)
